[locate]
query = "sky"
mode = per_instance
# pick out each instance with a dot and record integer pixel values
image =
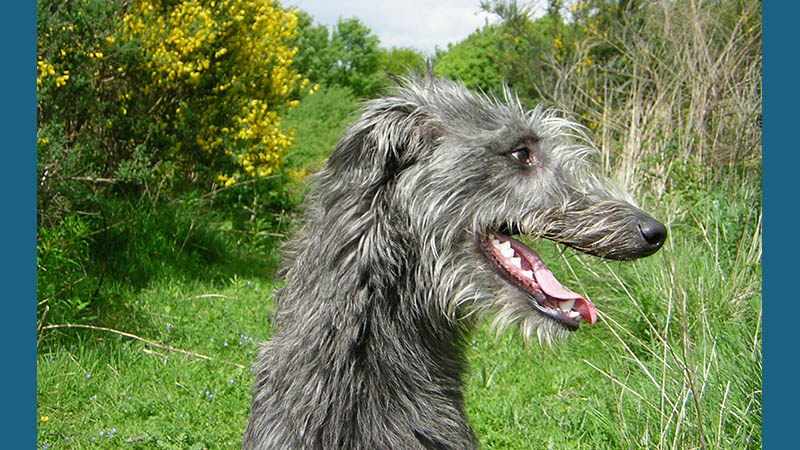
(419, 24)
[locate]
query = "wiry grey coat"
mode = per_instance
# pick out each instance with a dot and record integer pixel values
(403, 241)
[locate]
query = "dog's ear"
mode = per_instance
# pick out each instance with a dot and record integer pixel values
(389, 137)
(355, 186)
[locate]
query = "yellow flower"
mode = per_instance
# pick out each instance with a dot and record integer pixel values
(62, 80)
(44, 419)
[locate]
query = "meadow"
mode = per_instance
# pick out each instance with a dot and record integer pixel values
(156, 277)
(674, 361)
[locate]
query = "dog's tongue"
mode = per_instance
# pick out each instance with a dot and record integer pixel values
(550, 285)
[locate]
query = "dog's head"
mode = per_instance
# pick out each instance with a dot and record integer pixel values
(457, 174)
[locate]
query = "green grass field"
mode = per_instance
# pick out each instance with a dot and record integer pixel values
(154, 284)
(158, 355)
(673, 362)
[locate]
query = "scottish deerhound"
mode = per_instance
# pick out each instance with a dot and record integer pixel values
(406, 237)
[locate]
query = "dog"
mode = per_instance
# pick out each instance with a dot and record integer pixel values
(406, 237)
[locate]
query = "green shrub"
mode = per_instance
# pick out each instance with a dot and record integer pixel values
(146, 105)
(218, 78)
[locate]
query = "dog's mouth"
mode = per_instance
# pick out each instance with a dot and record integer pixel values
(521, 266)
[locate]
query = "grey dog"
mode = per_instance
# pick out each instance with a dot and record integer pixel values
(406, 238)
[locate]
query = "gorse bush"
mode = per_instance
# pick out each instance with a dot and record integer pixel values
(219, 75)
(188, 92)
(145, 102)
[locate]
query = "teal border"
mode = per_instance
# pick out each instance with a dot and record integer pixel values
(18, 226)
(781, 171)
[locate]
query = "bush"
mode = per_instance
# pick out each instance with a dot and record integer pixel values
(190, 93)
(474, 61)
(218, 76)
(148, 103)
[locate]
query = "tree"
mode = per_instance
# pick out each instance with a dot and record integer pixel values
(474, 60)
(315, 58)
(399, 60)
(348, 56)
(358, 59)
(523, 43)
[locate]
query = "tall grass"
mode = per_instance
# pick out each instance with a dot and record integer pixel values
(672, 92)
(676, 108)
(688, 333)
(674, 361)
(671, 88)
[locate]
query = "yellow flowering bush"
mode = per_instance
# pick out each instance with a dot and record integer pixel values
(145, 101)
(222, 72)
(191, 90)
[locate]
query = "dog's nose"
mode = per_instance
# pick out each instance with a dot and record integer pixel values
(653, 232)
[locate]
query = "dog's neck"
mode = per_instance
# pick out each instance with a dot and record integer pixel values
(367, 357)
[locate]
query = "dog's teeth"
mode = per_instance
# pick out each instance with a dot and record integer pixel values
(516, 262)
(574, 315)
(566, 305)
(496, 243)
(527, 273)
(505, 246)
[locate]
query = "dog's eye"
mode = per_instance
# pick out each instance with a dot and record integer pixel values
(523, 155)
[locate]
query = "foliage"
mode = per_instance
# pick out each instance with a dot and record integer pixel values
(359, 59)
(665, 85)
(319, 121)
(474, 61)
(401, 60)
(317, 57)
(222, 71)
(346, 56)
(522, 44)
(349, 56)
(193, 91)
(75, 106)
(144, 103)
(63, 281)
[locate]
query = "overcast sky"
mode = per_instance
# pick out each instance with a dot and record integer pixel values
(420, 24)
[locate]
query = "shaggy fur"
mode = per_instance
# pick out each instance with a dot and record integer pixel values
(395, 258)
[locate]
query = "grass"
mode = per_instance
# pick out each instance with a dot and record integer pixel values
(674, 362)
(172, 301)
(161, 357)
(99, 389)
